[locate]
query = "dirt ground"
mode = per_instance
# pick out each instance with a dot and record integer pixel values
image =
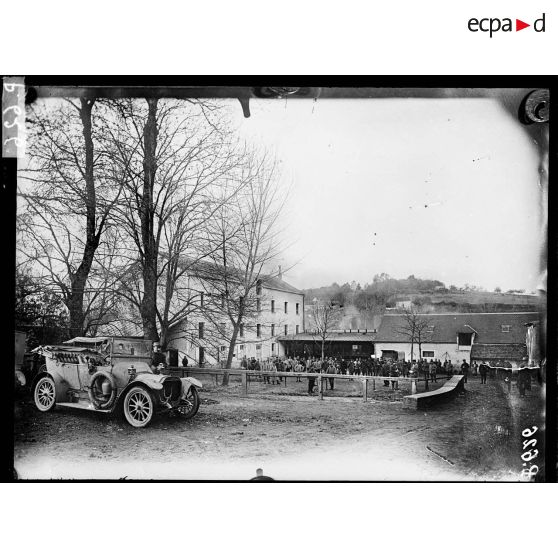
(290, 435)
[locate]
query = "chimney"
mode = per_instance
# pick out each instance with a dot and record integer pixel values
(280, 274)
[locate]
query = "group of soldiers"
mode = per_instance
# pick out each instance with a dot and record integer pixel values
(368, 366)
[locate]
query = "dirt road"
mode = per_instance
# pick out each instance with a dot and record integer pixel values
(292, 437)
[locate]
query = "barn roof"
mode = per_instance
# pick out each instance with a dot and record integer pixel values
(487, 326)
(501, 351)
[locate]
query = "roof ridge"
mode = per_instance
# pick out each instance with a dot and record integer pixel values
(467, 313)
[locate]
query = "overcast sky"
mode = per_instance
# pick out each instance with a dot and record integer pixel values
(442, 189)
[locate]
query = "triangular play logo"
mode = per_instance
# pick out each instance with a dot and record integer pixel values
(519, 25)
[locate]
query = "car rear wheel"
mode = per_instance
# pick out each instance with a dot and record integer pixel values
(45, 394)
(139, 407)
(189, 405)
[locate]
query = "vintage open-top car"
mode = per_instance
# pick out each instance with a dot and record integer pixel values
(108, 374)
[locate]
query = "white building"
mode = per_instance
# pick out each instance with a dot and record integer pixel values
(471, 336)
(279, 312)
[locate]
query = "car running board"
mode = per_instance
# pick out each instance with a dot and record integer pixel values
(88, 407)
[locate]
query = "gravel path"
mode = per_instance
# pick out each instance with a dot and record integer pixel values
(474, 437)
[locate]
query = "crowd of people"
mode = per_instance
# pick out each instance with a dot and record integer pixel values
(369, 366)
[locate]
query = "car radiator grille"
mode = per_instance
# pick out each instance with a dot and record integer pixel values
(172, 388)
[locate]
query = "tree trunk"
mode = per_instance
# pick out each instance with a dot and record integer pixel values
(232, 344)
(148, 306)
(79, 278)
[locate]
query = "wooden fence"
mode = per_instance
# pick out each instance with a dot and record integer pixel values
(250, 375)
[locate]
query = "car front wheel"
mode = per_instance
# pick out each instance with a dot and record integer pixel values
(189, 405)
(45, 394)
(139, 407)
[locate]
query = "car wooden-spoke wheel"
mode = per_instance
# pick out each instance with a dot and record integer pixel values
(139, 407)
(190, 403)
(45, 394)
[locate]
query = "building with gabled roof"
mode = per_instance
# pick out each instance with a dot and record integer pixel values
(279, 311)
(491, 337)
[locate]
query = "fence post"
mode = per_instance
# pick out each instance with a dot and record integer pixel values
(374, 384)
(365, 390)
(321, 387)
(413, 386)
(245, 382)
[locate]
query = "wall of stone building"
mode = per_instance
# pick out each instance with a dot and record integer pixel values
(441, 351)
(249, 345)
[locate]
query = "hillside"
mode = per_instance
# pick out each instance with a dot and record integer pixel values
(362, 306)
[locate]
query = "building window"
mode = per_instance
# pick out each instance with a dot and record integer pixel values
(464, 339)
(297, 308)
(241, 348)
(273, 348)
(258, 330)
(427, 354)
(506, 329)
(286, 307)
(259, 287)
(201, 327)
(223, 327)
(272, 330)
(273, 307)
(297, 328)
(286, 328)
(241, 330)
(222, 348)
(258, 305)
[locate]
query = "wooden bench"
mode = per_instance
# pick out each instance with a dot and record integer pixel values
(451, 388)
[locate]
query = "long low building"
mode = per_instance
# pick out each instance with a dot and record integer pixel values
(497, 338)
(345, 344)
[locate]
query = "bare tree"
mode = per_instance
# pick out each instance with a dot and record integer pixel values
(66, 200)
(247, 232)
(177, 158)
(417, 328)
(325, 316)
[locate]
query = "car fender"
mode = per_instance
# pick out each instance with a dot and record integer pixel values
(187, 382)
(150, 381)
(59, 382)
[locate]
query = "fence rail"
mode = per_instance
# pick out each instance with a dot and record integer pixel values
(247, 375)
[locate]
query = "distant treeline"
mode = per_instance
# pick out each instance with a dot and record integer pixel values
(429, 294)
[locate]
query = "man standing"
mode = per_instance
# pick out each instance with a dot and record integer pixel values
(449, 368)
(465, 369)
(432, 370)
(394, 373)
(386, 371)
(331, 370)
(314, 367)
(483, 369)
(158, 359)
